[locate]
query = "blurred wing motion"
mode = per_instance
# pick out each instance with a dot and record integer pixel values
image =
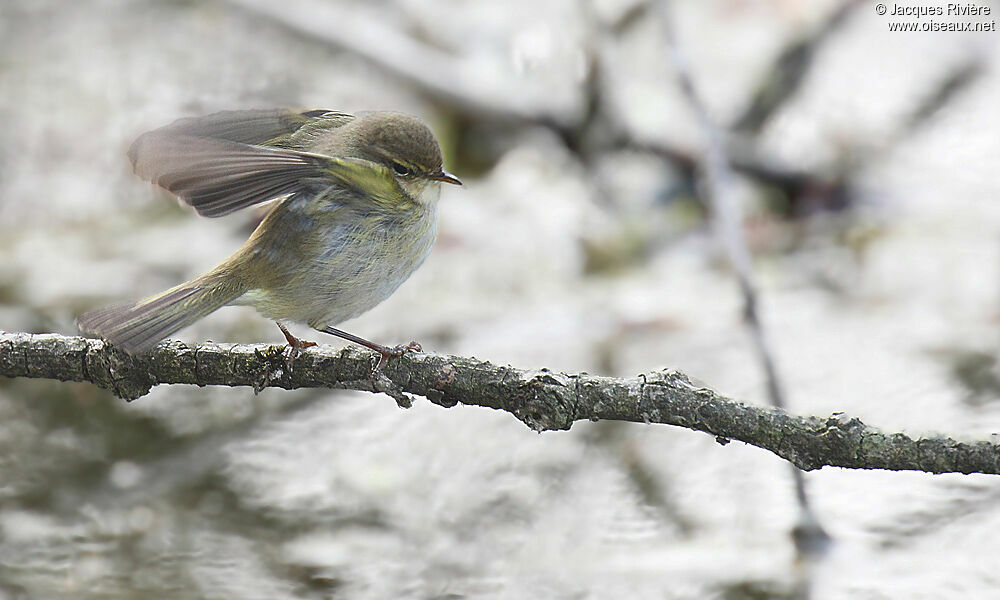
(224, 162)
(218, 177)
(269, 127)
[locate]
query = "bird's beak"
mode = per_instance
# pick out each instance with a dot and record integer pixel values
(446, 177)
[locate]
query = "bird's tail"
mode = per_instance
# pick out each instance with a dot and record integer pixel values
(137, 327)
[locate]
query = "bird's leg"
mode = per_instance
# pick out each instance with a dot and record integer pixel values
(385, 352)
(295, 345)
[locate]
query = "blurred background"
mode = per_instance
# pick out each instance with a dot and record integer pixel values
(866, 164)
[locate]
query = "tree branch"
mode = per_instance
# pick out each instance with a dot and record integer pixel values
(542, 399)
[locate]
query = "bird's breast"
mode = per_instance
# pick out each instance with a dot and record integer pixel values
(344, 262)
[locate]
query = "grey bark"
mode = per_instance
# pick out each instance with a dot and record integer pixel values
(542, 399)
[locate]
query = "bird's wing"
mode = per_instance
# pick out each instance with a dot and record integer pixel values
(265, 127)
(218, 176)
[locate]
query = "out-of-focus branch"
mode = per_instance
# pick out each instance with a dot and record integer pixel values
(784, 78)
(541, 399)
(488, 99)
(727, 218)
(944, 91)
(464, 85)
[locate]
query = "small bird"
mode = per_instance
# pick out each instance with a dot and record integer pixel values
(357, 215)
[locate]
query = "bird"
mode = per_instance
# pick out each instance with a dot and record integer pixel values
(356, 215)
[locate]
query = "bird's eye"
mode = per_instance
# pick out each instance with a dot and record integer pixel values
(400, 169)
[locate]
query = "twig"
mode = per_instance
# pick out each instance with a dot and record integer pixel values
(541, 399)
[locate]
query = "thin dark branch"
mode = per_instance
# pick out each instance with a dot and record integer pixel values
(791, 67)
(541, 399)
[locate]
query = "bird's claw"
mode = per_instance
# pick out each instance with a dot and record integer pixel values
(292, 351)
(386, 353)
(294, 347)
(402, 349)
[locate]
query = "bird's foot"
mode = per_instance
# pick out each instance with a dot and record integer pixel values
(295, 345)
(385, 353)
(380, 382)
